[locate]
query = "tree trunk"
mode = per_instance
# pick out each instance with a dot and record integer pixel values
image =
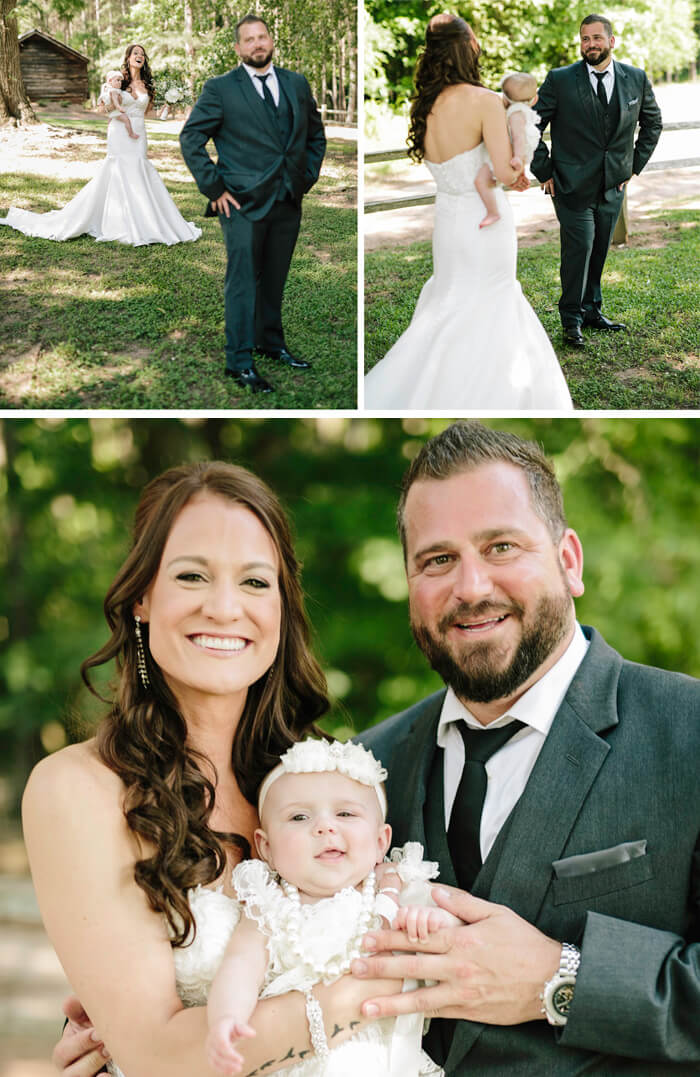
(14, 103)
(352, 80)
(189, 47)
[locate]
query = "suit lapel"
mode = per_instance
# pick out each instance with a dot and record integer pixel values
(287, 84)
(410, 767)
(590, 107)
(260, 114)
(621, 89)
(541, 821)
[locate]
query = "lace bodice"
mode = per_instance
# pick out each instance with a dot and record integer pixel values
(215, 915)
(457, 174)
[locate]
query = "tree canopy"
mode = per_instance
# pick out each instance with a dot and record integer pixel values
(68, 488)
(188, 41)
(527, 35)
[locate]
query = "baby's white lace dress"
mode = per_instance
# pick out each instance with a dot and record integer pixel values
(531, 131)
(323, 951)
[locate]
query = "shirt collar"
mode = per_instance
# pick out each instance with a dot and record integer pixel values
(536, 707)
(253, 71)
(609, 70)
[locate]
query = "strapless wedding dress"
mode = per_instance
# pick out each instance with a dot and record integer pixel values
(126, 200)
(474, 341)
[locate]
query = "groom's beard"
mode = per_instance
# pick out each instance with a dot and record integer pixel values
(599, 56)
(476, 674)
(255, 59)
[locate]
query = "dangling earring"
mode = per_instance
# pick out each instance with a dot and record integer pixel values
(140, 654)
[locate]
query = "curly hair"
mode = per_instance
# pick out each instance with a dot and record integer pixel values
(450, 57)
(143, 738)
(146, 75)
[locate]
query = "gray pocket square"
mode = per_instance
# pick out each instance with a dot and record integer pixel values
(587, 863)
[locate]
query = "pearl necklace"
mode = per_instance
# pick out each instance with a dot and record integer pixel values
(295, 924)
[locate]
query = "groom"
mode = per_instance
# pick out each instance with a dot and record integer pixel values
(574, 821)
(270, 144)
(593, 107)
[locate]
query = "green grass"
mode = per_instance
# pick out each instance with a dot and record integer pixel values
(651, 285)
(103, 325)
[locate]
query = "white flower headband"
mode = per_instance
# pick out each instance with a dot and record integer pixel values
(317, 756)
(113, 75)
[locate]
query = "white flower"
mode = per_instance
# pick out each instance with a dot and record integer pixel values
(314, 756)
(172, 95)
(410, 865)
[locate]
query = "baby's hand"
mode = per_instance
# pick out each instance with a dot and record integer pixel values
(517, 164)
(420, 921)
(221, 1054)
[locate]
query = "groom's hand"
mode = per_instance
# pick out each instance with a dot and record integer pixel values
(222, 203)
(548, 187)
(491, 969)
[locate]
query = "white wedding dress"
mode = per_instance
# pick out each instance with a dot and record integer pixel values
(474, 341)
(126, 200)
(384, 1048)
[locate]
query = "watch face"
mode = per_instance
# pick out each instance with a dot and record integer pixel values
(561, 999)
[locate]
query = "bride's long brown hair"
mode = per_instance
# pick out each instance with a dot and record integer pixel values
(450, 56)
(169, 798)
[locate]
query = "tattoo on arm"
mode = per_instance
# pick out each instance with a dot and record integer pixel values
(292, 1053)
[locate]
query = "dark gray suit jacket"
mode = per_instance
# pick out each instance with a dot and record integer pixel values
(581, 160)
(251, 152)
(619, 766)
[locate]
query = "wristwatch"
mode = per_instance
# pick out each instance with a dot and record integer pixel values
(558, 992)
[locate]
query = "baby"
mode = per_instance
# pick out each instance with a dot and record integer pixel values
(308, 903)
(112, 95)
(519, 95)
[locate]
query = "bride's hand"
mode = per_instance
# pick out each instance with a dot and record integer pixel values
(79, 1052)
(522, 183)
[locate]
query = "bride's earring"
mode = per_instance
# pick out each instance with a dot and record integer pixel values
(141, 654)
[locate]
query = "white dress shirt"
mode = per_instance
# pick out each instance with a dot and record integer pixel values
(271, 81)
(509, 768)
(608, 80)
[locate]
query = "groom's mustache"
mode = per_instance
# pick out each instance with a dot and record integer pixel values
(481, 611)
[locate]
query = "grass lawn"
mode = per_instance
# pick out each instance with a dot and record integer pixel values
(651, 285)
(102, 325)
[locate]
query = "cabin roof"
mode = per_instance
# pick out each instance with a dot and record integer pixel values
(73, 53)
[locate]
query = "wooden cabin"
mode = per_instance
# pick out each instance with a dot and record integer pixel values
(51, 70)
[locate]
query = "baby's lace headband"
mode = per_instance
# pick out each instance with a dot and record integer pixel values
(113, 75)
(316, 756)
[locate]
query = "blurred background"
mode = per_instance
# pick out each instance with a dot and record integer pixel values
(68, 488)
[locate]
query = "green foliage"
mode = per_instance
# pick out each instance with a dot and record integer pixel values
(526, 35)
(68, 488)
(651, 285)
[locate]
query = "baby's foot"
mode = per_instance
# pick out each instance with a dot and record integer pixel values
(132, 134)
(490, 218)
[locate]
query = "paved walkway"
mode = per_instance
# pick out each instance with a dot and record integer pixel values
(534, 215)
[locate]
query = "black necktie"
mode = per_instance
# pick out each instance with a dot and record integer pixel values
(465, 821)
(600, 89)
(267, 92)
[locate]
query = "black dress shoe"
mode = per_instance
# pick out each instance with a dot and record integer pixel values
(248, 378)
(573, 336)
(598, 321)
(285, 357)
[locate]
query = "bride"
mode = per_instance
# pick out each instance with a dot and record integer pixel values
(126, 200)
(132, 836)
(474, 341)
